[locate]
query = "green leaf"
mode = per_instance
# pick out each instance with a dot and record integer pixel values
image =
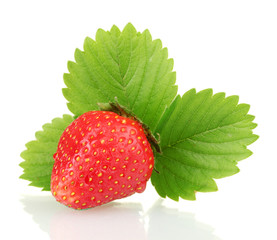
(38, 157)
(203, 136)
(126, 65)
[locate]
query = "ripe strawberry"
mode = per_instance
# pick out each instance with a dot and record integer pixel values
(101, 157)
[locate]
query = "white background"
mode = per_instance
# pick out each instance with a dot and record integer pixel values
(230, 46)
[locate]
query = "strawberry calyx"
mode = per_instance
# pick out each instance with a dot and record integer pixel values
(124, 112)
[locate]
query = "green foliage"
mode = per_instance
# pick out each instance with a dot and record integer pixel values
(203, 136)
(126, 65)
(38, 157)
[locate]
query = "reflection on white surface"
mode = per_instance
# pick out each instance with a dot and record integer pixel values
(115, 221)
(168, 223)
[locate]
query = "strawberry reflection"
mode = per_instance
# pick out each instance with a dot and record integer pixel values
(110, 221)
(124, 221)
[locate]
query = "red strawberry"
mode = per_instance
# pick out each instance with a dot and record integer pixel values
(101, 157)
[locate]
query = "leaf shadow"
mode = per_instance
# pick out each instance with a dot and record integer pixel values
(124, 221)
(170, 223)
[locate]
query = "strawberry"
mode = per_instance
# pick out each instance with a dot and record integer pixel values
(101, 157)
